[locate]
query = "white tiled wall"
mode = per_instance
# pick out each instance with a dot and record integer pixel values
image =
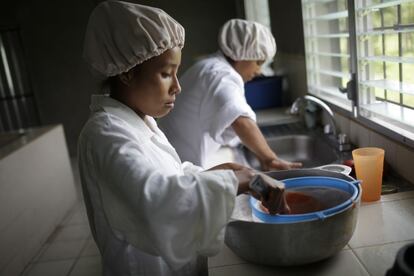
(400, 158)
(293, 67)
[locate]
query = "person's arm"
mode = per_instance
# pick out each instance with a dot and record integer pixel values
(262, 187)
(251, 136)
(243, 174)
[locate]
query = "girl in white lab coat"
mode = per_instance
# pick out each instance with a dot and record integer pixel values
(150, 214)
(212, 110)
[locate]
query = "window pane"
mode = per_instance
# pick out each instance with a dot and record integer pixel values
(376, 43)
(385, 17)
(379, 93)
(392, 71)
(17, 108)
(408, 73)
(375, 2)
(373, 70)
(407, 13)
(385, 48)
(391, 45)
(389, 16)
(327, 49)
(343, 25)
(393, 96)
(408, 44)
(408, 100)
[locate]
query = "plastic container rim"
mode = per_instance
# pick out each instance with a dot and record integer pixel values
(323, 214)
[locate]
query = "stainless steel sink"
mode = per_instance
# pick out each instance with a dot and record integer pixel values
(311, 149)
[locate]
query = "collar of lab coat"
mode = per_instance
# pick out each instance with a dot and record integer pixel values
(144, 127)
(220, 56)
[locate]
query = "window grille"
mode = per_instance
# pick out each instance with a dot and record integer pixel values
(370, 42)
(17, 104)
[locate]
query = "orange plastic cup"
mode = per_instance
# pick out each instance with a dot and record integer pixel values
(369, 164)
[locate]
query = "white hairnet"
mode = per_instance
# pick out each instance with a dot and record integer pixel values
(121, 35)
(246, 40)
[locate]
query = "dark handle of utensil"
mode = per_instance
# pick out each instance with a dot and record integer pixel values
(260, 187)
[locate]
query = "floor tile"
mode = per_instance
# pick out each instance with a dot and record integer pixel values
(40, 253)
(342, 264)
(61, 250)
(90, 249)
(78, 217)
(57, 268)
(80, 206)
(87, 266)
(225, 257)
(378, 259)
(69, 214)
(384, 223)
(71, 233)
(15, 267)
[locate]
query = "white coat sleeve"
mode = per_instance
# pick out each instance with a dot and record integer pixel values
(189, 167)
(175, 217)
(227, 103)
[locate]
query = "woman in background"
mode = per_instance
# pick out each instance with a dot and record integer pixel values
(212, 110)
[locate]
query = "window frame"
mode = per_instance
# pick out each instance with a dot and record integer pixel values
(356, 112)
(18, 104)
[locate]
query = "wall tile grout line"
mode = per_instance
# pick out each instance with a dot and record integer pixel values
(381, 244)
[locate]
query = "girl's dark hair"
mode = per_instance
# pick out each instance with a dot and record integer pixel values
(111, 84)
(229, 60)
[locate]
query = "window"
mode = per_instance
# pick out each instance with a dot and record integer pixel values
(368, 41)
(258, 11)
(17, 105)
(327, 49)
(385, 43)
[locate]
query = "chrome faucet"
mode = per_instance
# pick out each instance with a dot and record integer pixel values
(294, 109)
(342, 141)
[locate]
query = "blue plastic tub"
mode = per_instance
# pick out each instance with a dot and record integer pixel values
(350, 187)
(264, 92)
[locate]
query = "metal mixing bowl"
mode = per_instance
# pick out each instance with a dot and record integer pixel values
(291, 243)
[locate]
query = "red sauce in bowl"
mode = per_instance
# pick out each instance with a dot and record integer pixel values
(299, 203)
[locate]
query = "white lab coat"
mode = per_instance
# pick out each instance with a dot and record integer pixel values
(212, 98)
(149, 213)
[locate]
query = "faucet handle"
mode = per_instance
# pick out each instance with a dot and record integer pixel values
(327, 129)
(343, 142)
(294, 108)
(343, 138)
